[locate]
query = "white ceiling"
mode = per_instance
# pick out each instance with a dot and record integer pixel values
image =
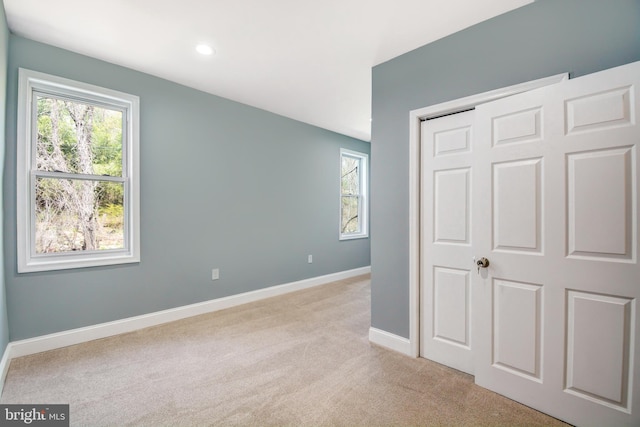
(307, 60)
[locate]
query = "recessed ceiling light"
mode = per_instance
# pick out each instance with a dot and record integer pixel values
(204, 49)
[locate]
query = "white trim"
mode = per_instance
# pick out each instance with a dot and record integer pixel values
(415, 118)
(103, 330)
(390, 341)
(4, 365)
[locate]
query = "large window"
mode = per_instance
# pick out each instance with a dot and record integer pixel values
(77, 174)
(353, 195)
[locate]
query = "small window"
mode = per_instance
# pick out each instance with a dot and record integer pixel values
(353, 195)
(78, 201)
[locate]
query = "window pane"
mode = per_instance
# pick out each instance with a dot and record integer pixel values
(349, 221)
(78, 138)
(78, 215)
(350, 175)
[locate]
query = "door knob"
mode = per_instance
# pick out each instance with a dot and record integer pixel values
(482, 263)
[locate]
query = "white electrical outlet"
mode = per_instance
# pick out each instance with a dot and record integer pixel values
(215, 274)
(310, 259)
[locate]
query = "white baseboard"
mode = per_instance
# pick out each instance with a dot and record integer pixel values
(390, 341)
(103, 330)
(4, 365)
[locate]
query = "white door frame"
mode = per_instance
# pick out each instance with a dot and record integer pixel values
(415, 118)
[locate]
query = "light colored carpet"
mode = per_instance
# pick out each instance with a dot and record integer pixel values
(302, 359)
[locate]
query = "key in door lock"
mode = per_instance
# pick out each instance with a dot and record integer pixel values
(482, 263)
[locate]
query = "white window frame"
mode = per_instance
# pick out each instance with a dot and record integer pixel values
(28, 261)
(363, 213)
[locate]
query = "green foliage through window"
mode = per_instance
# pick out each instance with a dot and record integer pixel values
(83, 214)
(353, 178)
(350, 192)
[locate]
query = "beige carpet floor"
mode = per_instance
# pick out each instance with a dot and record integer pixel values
(302, 359)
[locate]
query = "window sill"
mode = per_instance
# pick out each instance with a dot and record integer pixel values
(64, 262)
(353, 236)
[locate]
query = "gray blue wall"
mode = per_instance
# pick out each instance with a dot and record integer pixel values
(4, 49)
(544, 38)
(222, 185)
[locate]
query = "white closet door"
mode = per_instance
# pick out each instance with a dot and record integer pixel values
(555, 210)
(446, 252)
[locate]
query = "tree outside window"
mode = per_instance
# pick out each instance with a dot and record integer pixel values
(83, 140)
(78, 175)
(353, 194)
